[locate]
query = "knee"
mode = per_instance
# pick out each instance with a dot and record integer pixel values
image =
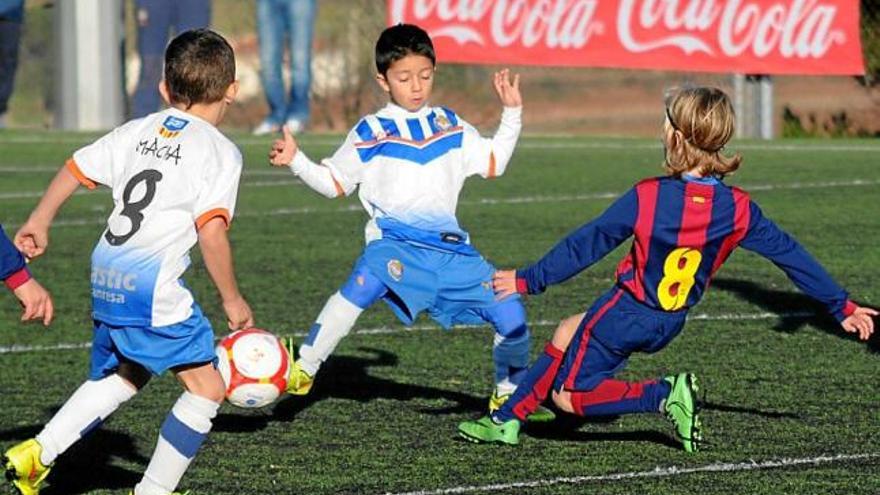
(566, 330)
(362, 288)
(213, 391)
(562, 399)
(509, 320)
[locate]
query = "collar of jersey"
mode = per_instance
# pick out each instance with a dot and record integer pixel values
(709, 181)
(394, 110)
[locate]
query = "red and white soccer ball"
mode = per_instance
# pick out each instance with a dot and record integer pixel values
(254, 365)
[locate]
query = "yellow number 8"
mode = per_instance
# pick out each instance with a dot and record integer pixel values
(678, 277)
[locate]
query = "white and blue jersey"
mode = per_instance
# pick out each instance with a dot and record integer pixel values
(408, 169)
(411, 166)
(169, 173)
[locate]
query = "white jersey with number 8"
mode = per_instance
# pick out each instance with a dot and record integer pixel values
(170, 172)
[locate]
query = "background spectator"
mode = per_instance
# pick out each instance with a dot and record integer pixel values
(11, 16)
(155, 19)
(295, 19)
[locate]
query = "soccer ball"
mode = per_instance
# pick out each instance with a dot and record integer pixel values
(254, 365)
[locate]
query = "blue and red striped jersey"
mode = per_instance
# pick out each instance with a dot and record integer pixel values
(683, 231)
(13, 270)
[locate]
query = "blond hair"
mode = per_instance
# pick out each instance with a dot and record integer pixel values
(699, 123)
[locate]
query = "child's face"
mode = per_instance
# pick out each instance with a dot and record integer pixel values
(409, 81)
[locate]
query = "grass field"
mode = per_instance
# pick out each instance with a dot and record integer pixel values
(792, 404)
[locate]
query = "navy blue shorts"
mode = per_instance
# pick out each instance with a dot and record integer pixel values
(614, 327)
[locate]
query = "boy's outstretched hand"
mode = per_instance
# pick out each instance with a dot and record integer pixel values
(32, 239)
(504, 283)
(508, 92)
(283, 150)
(36, 301)
(861, 321)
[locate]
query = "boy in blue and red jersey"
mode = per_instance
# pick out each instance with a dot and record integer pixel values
(685, 225)
(35, 300)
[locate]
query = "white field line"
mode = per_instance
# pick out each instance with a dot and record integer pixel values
(27, 169)
(304, 210)
(536, 142)
(385, 330)
(658, 472)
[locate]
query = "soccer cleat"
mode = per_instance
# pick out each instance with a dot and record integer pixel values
(175, 493)
(23, 467)
(485, 430)
(681, 408)
(539, 415)
(298, 381)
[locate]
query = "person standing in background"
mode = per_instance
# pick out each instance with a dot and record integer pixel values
(294, 19)
(11, 17)
(155, 18)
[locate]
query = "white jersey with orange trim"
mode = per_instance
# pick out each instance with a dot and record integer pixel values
(170, 172)
(411, 166)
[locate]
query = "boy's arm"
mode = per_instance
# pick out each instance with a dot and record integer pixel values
(581, 248)
(217, 254)
(488, 157)
(286, 153)
(767, 239)
(34, 298)
(33, 237)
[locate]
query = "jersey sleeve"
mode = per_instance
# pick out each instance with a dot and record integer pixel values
(13, 270)
(767, 239)
(488, 157)
(583, 247)
(219, 192)
(346, 164)
(98, 163)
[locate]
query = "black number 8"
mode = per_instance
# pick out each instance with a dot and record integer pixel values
(133, 210)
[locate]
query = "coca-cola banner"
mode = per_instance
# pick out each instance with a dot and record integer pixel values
(744, 36)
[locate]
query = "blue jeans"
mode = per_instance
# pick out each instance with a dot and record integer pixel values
(296, 19)
(155, 18)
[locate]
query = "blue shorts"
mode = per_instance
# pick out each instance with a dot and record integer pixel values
(614, 327)
(155, 348)
(453, 288)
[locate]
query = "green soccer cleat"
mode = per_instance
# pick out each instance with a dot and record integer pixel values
(23, 467)
(681, 408)
(484, 430)
(539, 415)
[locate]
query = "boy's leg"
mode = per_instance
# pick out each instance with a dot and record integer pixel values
(503, 425)
(333, 323)
(153, 23)
(301, 18)
(271, 26)
(112, 383)
(184, 430)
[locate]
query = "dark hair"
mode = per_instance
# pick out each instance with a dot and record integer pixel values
(399, 41)
(199, 67)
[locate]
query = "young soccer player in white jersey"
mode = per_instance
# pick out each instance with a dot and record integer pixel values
(409, 162)
(174, 180)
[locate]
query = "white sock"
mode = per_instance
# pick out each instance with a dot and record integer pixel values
(335, 322)
(85, 410)
(183, 432)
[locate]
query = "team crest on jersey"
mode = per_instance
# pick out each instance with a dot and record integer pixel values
(395, 270)
(172, 126)
(442, 122)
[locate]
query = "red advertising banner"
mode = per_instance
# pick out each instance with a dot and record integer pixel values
(742, 36)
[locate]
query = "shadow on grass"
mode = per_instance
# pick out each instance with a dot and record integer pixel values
(87, 465)
(567, 427)
(802, 310)
(348, 377)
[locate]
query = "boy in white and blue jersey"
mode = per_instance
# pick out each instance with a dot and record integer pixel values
(408, 162)
(174, 180)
